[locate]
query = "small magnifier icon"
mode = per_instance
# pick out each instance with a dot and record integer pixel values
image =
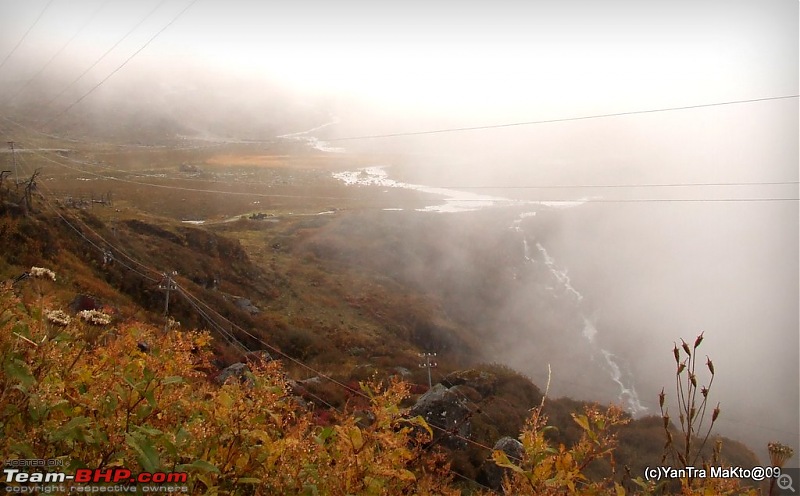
(785, 482)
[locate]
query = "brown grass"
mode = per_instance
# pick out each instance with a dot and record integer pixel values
(325, 161)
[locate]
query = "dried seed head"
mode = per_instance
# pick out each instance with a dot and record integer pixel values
(704, 391)
(58, 317)
(43, 272)
(715, 414)
(686, 347)
(698, 340)
(779, 453)
(95, 317)
(710, 365)
(666, 420)
(661, 397)
(693, 379)
(692, 413)
(677, 354)
(681, 368)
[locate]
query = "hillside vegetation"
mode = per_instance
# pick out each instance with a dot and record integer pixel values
(97, 394)
(342, 304)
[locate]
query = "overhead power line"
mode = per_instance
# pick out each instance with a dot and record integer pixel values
(134, 54)
(100, 59)
(97, 235)
(58, 52)
(26, 34)
(197, 301)
(621, 200)
(565, 119)
(499, 201)
(318, 373)
(456, 187)
(135, 146)
(646, 185)
(181, 188)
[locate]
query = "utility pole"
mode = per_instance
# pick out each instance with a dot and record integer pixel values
(428, 365)
(14, 159)
(167, 285)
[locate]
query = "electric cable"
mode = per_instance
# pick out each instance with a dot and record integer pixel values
(307, 367)
(125, 62)
(499, 201)
(196, 190)
(103, 56)
(228, 336)
(38, 18)
(95, 245)
(563, 119)
(55, 55)
(680, 108)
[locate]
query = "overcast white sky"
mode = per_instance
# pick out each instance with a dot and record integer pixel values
(499, 59)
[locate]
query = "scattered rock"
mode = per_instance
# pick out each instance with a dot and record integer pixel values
(237, 370)
(483, 382)
(295, 388)
(467, 392)
(445, 410)
(402, 372)
(246, 305)
(310, 380)
(490, 474)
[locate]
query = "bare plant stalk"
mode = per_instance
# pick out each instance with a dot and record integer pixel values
(691, 408)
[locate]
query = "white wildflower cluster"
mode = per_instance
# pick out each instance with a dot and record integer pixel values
(172, 323)
(58, 317)
(779, 453)
(42, 272)
(95, 317)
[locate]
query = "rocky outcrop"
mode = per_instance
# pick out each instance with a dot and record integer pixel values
(237, 370)
(246, 305)
(447, 412)
(240, 370)
(491, 475)
(483, 382)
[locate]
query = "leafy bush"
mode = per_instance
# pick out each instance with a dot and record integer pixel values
(129, 395)
(95, 406)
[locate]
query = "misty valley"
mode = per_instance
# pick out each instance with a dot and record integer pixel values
(265, 248)
(351, 289)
